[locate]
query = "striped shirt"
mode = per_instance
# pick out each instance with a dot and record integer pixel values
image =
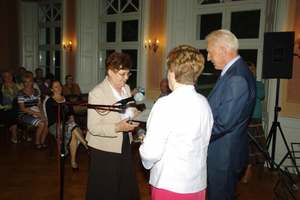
(28, 100)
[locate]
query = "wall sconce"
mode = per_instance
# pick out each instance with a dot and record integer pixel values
(69, 46)
(149, 46)
(297, 42)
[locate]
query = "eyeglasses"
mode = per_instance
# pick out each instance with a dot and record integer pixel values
(125, 74)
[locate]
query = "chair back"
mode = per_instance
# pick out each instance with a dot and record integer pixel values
(84, 97)
(74, 98)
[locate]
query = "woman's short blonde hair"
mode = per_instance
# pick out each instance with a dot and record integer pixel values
(187, 63)
(27, 75)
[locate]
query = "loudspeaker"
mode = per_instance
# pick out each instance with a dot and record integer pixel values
(278, 55)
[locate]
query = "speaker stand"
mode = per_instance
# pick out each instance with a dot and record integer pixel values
(272, 135)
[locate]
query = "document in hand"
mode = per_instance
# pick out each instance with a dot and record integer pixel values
(143, 116)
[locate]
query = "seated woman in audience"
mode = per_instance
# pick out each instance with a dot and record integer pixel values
(9, 91)
(31, 110)
(72, 131)
(70, 87)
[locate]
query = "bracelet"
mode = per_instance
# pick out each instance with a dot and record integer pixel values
(29, 112)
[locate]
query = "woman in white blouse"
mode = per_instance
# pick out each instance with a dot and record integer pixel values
(178, 132)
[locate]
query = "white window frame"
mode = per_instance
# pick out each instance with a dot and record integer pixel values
(51, 47)
(226, 9)
(118, 45)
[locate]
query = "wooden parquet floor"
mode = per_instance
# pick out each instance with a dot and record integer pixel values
(34, 176)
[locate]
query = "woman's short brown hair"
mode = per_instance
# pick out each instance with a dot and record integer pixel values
(117, 61)
(187, 63)
(251, 67)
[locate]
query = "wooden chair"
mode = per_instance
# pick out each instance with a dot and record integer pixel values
(84, 98)
(26, 128)
(74, 98)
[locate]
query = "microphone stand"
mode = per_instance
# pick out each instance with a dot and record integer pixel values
(122, 106)
(281, 174)
(62, 150)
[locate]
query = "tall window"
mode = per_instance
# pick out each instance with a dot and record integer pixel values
(50, 20)
(245, 19)
(120, 32)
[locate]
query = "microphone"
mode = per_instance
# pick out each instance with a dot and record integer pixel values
(137, 97)
(294, 186)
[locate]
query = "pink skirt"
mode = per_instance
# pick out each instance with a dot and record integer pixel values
(158, 194)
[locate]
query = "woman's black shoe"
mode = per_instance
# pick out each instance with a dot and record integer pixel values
(75, 168)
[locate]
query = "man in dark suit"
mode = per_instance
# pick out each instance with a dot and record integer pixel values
(231, 100)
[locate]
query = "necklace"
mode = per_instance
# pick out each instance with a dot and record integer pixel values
(58, 98)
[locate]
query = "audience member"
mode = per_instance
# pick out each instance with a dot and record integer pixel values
(34, 83)
(39, 79)
(31, 110)
(44, 87)
(111, 173)
(70, 87)
(231, 100)
(164, 88)
(176, 149)
(22, 71)
(72, 131)
(255, 128)
(9, 91)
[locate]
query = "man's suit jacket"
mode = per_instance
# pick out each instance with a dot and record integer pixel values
(231, 100)
(101, 134)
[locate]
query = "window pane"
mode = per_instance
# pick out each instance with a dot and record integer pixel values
(132, 82)
(245, 24)
(46, 70)
(108, 32)
(208, 23)
(113, 9)
(57, 35)
(57, 73)
(103, 56)
(44, 36)
(130, 30)
(133, 55)
(249, 55)
(129, 6)
(56, 58)
(43, 13)
(44, 58)
(56, 12)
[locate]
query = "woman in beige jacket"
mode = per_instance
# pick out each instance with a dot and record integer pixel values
(111, 172)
